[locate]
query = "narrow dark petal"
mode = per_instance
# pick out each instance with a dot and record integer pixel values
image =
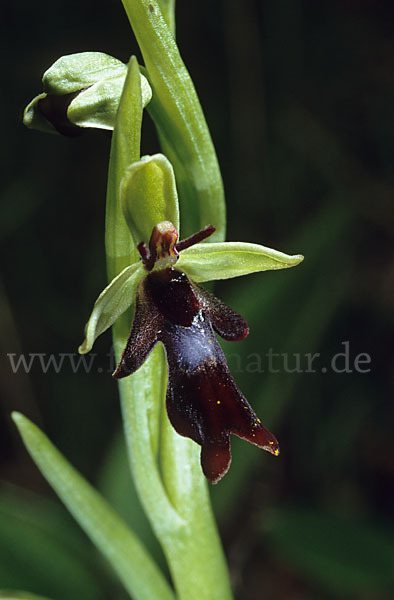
(143, 252)
(226, 322)
(196, 238)
(142, 339)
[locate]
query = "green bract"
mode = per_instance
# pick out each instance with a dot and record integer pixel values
(93, 83)
(148, 196)
(179, 119)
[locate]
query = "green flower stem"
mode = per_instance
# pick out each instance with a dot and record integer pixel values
(174, 496)
(131, 561)
(177, 502)
(197, 545)
(181, 124)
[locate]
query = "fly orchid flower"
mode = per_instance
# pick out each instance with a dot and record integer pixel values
(203, 400)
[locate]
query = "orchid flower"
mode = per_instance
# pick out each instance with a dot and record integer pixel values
(203, 400)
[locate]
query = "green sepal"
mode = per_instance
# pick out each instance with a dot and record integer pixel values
(96, 106)
(95, 79)
(75, 72)
(223, 260)
(113, 301)
(148, 196)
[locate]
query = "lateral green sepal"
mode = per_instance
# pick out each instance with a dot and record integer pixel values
(113, 301)
(223, 260)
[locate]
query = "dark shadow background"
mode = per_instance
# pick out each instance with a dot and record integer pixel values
(299, 97)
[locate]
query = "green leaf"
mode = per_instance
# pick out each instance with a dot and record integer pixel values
(208, 262)
(113, 301)
(118, 488)
(114, 539)
(180, 121)
(148, 196)
(343, 554)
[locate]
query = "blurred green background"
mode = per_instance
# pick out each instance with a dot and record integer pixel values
(299, 97)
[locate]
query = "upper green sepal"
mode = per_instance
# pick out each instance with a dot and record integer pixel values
(87, 87)
(223, 260)
(117, 297)
(148, 196)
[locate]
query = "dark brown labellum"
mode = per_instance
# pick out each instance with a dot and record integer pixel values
(203, 400)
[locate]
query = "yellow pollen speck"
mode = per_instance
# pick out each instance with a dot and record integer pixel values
(271, 443)
(276, 452)
(218, 402)
(258, 420)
